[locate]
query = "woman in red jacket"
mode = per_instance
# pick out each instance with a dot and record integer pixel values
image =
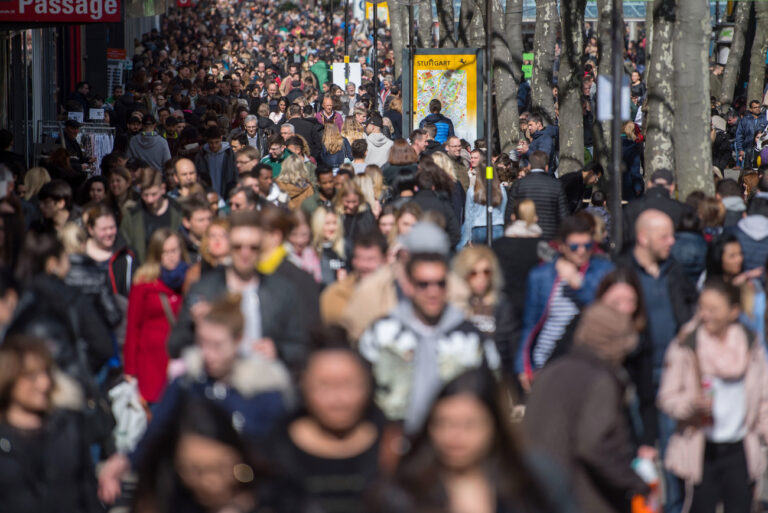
(153, 304)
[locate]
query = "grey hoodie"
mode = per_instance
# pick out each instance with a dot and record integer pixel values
(752, 232)
(378, 149)
(150, 147)
(426, 381)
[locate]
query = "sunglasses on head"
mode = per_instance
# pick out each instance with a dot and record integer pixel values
(424, 285)
(575, 247)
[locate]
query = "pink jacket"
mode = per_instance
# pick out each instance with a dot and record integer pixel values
(678, 391)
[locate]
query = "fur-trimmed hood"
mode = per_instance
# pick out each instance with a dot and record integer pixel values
(252, 374)
(67, 392)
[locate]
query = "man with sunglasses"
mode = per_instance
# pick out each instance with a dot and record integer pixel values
(555, 294)
(424, 342)
(268, 302)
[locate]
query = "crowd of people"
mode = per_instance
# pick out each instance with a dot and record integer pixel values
(271, 298)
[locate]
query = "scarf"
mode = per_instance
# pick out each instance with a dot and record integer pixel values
(271, 262)
(725, 358)
(607, 332)
(174, 278)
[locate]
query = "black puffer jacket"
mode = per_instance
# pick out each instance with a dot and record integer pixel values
(97, 298)
(547, 194)
(49, 309)
(57, 476)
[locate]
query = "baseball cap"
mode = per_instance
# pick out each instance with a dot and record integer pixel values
(148, 120)
(426, 237)
(663, 174)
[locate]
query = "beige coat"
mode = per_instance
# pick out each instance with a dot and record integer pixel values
(376, 296)
(678, 392)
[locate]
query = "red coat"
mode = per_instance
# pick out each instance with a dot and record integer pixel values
(146, 337)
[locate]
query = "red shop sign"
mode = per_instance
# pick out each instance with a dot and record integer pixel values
(63, 11)
(183, 3)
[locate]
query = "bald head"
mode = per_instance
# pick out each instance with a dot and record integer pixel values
(186, 173)
(655, 234)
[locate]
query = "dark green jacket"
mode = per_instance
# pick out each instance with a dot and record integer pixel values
(133, 230)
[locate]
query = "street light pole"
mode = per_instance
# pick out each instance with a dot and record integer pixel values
(346, 45)
(375, 58)
(488, 121)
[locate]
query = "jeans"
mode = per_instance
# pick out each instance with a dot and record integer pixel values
(673, 485)
(480, 233)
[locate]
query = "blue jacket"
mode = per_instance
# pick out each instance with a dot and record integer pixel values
(443, 124)
(748, 126)
(541, 281)
(543, 140)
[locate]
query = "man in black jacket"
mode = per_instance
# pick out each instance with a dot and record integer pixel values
(268, 302)
(659, 196)
(575, 184)
(308, 130)
(545, 191)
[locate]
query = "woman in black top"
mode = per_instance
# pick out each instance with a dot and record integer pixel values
(45, 463)
(338, 445)
(464, 459)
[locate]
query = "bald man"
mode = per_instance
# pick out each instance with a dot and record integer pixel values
(186, 178)
(669, 300)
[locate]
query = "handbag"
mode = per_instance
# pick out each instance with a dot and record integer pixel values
(97, 411)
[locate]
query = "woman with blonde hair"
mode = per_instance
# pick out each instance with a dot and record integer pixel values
(366, 185)
(34, 180)
(458, 194)
(517, 251)
(475, 229)
(374, 171)
(355, 212)
(293, 181)
(480, 270)
(153, 305)
(524, 221)
(328, 242)
(352, 130)
(336, 149)
(395, 114)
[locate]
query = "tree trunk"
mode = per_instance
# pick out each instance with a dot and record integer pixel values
(466, 13)
(544, 36)
(569, 86)
(446, 23)
(648, 39)
(601, 131)
(659, 116)
(692, 142)
(757, 61)
(507, 73)
(398, 25)
(425, 24)
(733, 65)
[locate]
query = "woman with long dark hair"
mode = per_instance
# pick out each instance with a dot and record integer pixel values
(465, 459)
(199, 463)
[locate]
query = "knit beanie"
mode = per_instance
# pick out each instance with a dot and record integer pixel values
(608, 332)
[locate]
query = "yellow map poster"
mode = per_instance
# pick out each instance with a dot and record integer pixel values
(452, 79)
